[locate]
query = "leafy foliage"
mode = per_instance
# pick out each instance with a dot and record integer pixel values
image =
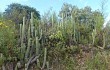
(7, 38)
(16, 12)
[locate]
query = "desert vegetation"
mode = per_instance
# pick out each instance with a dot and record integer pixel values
(73, 40)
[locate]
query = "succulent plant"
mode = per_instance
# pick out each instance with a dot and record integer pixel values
(30, 45)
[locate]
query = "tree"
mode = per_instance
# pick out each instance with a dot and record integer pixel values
(65, 10)
(16, 12)
(103, 6)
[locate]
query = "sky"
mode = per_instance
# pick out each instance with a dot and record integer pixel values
(45, 5)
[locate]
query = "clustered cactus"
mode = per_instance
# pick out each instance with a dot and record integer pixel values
(30, 46)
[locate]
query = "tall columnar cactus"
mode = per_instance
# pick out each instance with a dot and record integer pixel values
(74, 27)
(22, 35)
(103, 40)
(37, 46)
(20, 31)
(45, 55)
(93, 36)
(52, 20)
(32, 25)
(23, 31)
(62, 20)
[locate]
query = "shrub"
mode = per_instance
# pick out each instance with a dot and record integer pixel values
(7, 37)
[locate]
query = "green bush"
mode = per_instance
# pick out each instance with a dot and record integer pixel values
(7, 37)
(96, 63)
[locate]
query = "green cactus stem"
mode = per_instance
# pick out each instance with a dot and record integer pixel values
(62, 20)
(52, 21)
(28, 49)
(93, 36)
(32, 24)
(45, 54)
(37, 46)
(23, 31)
(103, 40)
(47, 63)
(38, 63)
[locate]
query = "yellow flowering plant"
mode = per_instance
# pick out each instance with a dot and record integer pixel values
(7, 37)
